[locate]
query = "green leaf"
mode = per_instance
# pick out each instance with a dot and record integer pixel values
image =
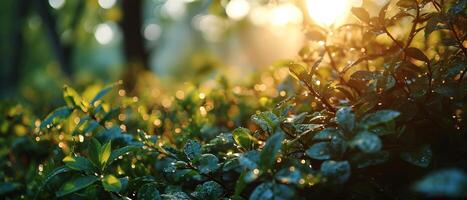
(456, 67)
(239, 186)
(301, 128)
(367, 142)
(378, 117)
(270, 150)
(262, 192)
(175, 196)
(91, 126)
(73, 99)
(75, 185)
(299, 72)
(287, 176)
(346, 119)
(78, 163)
(328, 134)
(208, 190)
(420, 157)
(54, 116)
(458, 8)
(243, 137)
(250, 159)
(111, 183)
(53, 173)
(320, 151)
(192, 149)
(336, 171)
(112, 132)
(416, 54)
(94, 148)
(364, 76)
(266, 191)
(443, 183)
(101, 94)
(148, 192)
(266, 120)
(104, 152)
(432, 24)
(361, 14)
(208, 163)
(120, 152)
(386, 82)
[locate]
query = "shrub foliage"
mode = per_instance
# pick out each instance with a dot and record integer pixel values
(370, 115)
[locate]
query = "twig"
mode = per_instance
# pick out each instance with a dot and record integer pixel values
(392, 38)
(326, 104)
(333, 63)
(413, 31)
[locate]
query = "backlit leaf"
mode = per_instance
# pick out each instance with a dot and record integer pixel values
(243, 137)
(111, 183)
(361, 14)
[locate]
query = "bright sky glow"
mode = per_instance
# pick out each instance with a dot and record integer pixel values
(237, 9)
(277, 15)
(286, 13)
(329, 12)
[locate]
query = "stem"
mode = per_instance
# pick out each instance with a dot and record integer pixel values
(413, 29)
(402, 48)
(334, 66)
(461, 47)
(333, 63)
(393, 39)
(326, 104)
(297, 139)
(436, 5)
(458, 40)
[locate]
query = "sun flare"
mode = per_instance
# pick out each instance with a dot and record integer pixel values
(328, 12)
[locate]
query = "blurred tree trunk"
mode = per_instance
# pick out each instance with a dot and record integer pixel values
(61, 52)
(133, 41)
(12, 77)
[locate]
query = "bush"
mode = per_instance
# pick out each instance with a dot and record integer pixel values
(373, 116)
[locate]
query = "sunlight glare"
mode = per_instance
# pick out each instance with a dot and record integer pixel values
(285, 14)
(328, 12)
(237, 9)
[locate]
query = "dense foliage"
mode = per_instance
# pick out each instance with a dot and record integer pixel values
(371, 115)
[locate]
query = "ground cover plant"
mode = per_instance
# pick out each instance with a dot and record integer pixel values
(364, 114)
